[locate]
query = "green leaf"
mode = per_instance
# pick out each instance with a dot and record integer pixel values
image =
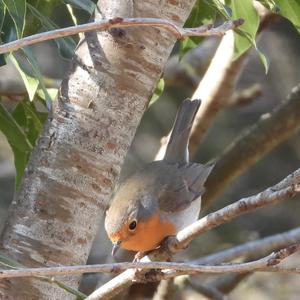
(66, 45)
(86, 5)
(13, 132)
(29, 119)
(36, 71)
(51, 91)
(30, 82)
(9, 32)
(20, 160)
(244, 9)
(270, 4)
(203, 12)
(17, 10)
(158, 91)
(244, 36)
(290, 9)
(2, 15)
(31, 123)
(222, 9)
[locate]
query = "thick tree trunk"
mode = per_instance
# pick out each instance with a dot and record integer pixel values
(76, 163)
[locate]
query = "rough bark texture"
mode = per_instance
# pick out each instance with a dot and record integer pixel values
(77, 160)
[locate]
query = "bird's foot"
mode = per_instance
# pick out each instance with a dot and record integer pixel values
(139, 255)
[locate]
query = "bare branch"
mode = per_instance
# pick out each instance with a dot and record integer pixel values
(178, 32)
(245, 96)
(216, 87)
(271, 130)
(229, 282)
(261, 264)
(249, 249)
(105, 291)
(209, 291)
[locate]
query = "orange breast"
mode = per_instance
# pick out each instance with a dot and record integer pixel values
(149, 234)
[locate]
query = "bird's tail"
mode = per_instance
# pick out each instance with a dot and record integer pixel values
(177, 148)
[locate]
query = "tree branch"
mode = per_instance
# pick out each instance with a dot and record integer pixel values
(261, 264)
(107, 291)
(207, 290)
(216, 87)
(245, 96)
(271, 130)
(178, 32)
(249, 249)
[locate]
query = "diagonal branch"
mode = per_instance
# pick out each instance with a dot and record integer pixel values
(249, 249)
(178, 32)
(217, 85)
(271, 130)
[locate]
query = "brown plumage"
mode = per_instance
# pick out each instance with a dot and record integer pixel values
(163, 197)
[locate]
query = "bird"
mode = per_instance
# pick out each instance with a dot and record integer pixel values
(163, 197)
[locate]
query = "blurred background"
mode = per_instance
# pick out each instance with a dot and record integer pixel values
(281, 44)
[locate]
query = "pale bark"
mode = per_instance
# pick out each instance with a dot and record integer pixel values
(76, 163)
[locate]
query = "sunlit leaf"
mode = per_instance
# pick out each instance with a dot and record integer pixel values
(86, 5)
(30, 82)
(158, 91)
(290, 9)
(270, 4)
(245, 35)
(222, 9)
(13, 132)
(36, 71)
(51, 91)
(244, 9)
(66, 45)
(17, 10)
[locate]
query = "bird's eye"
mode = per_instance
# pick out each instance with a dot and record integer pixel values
(132, 225)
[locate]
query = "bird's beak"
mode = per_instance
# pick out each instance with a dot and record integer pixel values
(116, 246)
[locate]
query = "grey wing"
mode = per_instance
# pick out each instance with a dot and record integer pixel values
(186, 185)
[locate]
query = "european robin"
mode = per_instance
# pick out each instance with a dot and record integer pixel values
(163, 197)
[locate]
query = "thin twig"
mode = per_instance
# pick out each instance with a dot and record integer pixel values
(270, 260)
(107, 290)
(249, 249)
(178, 32)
